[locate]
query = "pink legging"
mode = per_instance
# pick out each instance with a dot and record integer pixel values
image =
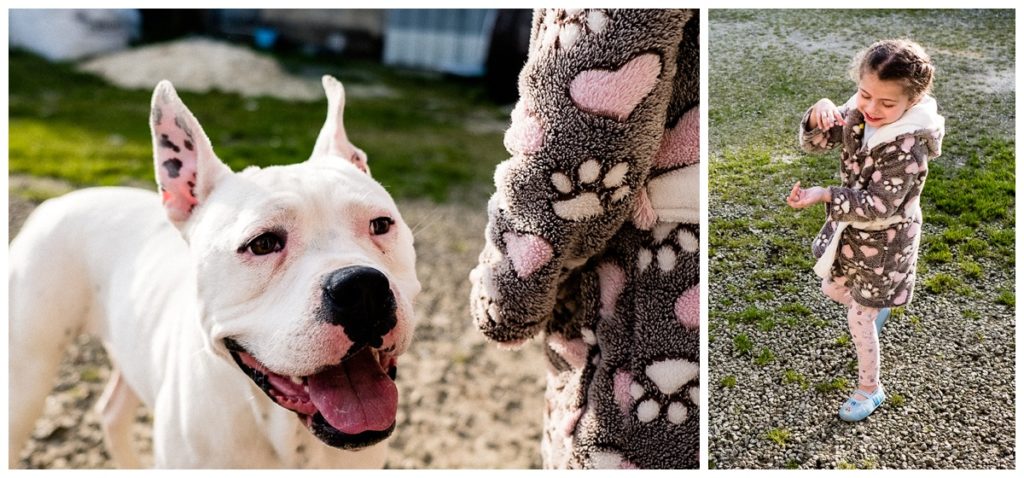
(862, 329)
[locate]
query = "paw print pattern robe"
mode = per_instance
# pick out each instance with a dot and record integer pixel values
(592, 240)
(873, 224)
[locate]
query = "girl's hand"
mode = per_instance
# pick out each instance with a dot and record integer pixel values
(825, 115)
(800, 198)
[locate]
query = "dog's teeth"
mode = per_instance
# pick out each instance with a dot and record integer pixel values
(296, 380)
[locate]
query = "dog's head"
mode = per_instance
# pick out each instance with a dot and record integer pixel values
(305, 273)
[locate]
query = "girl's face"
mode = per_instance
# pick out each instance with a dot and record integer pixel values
(881, 101)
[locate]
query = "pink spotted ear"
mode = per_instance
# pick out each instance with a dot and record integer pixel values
(333, 140)
(186, 167)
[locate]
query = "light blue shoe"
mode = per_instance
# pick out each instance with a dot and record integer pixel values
(854, 410)
(880, 319)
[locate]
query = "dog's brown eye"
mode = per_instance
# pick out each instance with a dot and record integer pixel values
(381, 225)
(265, 243)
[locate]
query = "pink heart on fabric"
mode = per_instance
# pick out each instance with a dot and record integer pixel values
(847, 251)
(897, 277)
(614, 94)
(688, 308)
(912, 168)
(908, 143)
(527, 252)
(868, 251)
(681, 145)
(890, 234)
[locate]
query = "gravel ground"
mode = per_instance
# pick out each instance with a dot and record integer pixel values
(955, 375)
(464, 403)
(947, 364)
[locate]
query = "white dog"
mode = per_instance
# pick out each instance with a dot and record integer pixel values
(261, 323)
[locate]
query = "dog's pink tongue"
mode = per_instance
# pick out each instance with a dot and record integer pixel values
(356, 395)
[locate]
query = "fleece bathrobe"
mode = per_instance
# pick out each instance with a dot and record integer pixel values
(873, 224)
(592, 240)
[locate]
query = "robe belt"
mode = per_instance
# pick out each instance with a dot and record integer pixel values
(823, 267)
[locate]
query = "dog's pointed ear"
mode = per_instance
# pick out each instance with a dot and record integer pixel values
(186, 167)
(333, 141)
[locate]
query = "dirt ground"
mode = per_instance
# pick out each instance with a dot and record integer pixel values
(463, 402)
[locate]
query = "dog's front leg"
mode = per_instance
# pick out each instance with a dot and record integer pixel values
(116, 408)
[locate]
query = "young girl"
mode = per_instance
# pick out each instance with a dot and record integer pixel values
(867, 249)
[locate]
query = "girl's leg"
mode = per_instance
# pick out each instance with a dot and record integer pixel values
(865, 337)
(836, 290)
(868, 395)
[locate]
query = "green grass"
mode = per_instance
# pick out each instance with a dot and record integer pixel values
(915, 321)
(939, 253)
(728, 381)
(897, 400)
(970, 269)
(795, 309)
(78, 128)
(765, 357)
(975, 247)
(843, 340)
(1006, 298)
(779, 436)
(941, 283)
(838, 384)
(742, 344)
(792, 376)
(865, 464)
(751, 315)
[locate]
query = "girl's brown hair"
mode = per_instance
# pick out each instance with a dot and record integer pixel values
(901, 60)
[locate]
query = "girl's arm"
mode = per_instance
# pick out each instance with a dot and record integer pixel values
(899, 168)
(594, 95)
(821, 128)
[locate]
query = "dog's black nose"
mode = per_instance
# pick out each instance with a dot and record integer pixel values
(359, 299)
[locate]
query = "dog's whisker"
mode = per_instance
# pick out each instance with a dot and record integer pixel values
(426, 221)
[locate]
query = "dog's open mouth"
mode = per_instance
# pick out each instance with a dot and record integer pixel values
(351, 404)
